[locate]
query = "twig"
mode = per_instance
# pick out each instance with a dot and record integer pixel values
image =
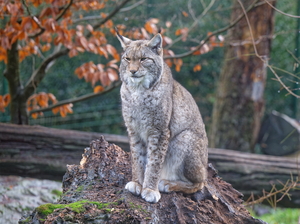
(271, 196)
(262, 57)
(39, 73)
(132, 6)
(194, 24)
(64, 10)
(277, 10)
(116, 10)
(78, 99)
(56, 19)
(296, 59)
(32, 16)
(212, 34)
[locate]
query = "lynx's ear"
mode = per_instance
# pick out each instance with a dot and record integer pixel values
(123, 40)
(156, 43)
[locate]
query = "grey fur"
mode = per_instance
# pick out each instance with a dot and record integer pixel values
(167, 136)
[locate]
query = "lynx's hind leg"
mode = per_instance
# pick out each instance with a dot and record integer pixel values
(191, 173)
(193, 180)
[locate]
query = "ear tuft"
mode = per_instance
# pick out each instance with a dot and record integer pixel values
(123, 40)
(156, 43)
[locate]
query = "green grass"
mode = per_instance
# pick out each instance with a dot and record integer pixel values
(281, 216)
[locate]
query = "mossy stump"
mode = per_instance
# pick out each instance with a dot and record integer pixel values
(93, 192)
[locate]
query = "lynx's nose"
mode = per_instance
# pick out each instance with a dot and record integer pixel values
(133, 71)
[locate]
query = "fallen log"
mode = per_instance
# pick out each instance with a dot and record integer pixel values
(93, 192)
(42, 152)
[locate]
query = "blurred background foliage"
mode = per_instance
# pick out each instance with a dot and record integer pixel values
(103, 114)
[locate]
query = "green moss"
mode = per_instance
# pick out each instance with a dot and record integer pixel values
(80, 188)
(56, 192)
(77, 207)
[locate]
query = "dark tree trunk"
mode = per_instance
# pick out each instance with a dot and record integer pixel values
(41, 152)
(18, 110)
(100, 178)
(239, 104)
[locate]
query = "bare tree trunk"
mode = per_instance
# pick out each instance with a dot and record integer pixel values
(18, 111)
(239, 104)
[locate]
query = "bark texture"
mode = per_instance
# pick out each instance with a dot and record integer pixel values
(239, 104)
(101, 177)
(41, 152)
(16, 90)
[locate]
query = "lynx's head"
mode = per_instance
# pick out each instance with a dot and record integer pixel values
(141, 62)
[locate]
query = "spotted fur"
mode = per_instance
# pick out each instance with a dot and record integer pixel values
(167, 136)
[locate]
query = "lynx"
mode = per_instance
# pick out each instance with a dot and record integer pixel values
(167, 136)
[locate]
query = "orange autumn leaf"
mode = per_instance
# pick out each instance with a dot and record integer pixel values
(68, 108)
(113, 52)
(178, 32)
(98, 89)
(65, 109)
(148, 27)
(178, 63)
(52, 98)
(169, 62)
(42, 99)
(4, 101)
(46, 47)
(112, 74)
(185, 14)
(55, 110)
(168, 24)
(197, 68)
(34, 115)
(3, 55)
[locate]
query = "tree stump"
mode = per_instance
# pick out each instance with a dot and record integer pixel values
(93, 192)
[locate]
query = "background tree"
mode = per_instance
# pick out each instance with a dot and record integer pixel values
(240, 104)
(47, 29)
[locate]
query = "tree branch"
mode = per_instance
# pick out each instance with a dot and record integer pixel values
(34, 18)
(116, 10)
(132, 6)
(212, 34)
(40, 73)
(56, 19)
(196, 20)
(64, 11)
(281, 12)
(78, 99)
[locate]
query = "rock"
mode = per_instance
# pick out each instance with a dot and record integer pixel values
(19, 195)
(93, 192)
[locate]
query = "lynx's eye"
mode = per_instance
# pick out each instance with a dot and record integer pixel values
(127, 59)
(143, 59)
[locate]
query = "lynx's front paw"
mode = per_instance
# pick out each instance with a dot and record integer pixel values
(134, 187)
(150, 195)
